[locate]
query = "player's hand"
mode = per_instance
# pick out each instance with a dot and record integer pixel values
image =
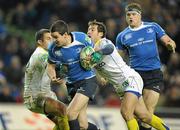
(96, 57)
(58, 80)
(171, 46)
(103, 81)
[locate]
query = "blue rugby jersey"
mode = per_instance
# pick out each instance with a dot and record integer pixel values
(70, 57)
(142, 46)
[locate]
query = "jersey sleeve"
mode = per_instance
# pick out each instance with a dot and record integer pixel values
(51, 54)
(83, 38)
(88, 41)
(119, 43)
(106, 46)
(159, 30)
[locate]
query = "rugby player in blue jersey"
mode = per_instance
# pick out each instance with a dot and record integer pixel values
(81, 84)
(139, 38)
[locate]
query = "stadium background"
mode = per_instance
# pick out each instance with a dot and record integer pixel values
(20, 19)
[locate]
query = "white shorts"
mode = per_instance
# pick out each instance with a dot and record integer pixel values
(32, 103)
(132, 84)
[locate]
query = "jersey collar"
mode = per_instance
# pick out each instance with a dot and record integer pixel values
(138, 28)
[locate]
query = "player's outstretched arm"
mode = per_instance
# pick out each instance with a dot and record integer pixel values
(96, 57)
(169, 43)
(51, 71)
(52, 75)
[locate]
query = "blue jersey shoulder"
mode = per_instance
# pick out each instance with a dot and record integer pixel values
(52, 49)
(158, 29)
(119, 39)
(82, 37)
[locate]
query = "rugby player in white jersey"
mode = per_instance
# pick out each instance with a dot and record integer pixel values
(126, 81)
(38, 96)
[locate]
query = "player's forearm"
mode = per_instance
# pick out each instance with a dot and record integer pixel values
(51, 71)
(107, 50)
(168, 42)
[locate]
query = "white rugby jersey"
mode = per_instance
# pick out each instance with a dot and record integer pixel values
(36, 78)
(112, 67)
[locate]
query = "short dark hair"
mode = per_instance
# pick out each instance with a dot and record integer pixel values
(39, 34)
(101, 26)
(132, 7)
(59, 26)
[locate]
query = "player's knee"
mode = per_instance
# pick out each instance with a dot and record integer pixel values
(72, 114)
(127, 114)
(83, 126)
(145, 117)
(62, 109)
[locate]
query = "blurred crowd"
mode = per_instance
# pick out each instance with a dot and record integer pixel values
(15, 50)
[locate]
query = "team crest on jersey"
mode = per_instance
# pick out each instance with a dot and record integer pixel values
(44, 58)
(128, 36)
(78, 50)
(58, 53)
(149, 30)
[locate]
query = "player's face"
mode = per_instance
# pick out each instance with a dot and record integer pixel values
(93, 33)
(46, 40)
(61, 40)
(133, 19)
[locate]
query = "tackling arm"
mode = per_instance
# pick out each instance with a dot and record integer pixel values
(51, 71)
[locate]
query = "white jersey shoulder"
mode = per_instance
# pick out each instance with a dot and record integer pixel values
(36, 78)
(112, 67)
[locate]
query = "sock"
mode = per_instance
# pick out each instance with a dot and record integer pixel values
(63, 123)
(56, 127)
(157, 123)
(91, 126)
(132, 124)
(74, 125)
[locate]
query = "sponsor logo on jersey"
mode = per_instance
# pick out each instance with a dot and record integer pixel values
(140, 39)
(70, 60)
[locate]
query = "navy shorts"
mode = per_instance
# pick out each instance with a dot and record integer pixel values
(152, 79)
(86, 87)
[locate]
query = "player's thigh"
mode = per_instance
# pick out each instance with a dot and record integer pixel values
(82, 118)
(77, 104)
(129, 101)
(141, 111)
(133, 90)
(54, 107)
(37, 103)
(151, 98)
(128, 105)
(87, 87)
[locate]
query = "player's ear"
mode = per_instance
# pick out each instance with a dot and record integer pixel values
(39, 42)
(101, 34)
(65, 34)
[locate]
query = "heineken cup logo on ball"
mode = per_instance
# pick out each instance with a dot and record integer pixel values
(85, 57)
